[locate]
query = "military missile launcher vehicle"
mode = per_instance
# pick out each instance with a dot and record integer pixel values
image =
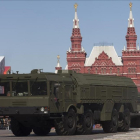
(71, 102)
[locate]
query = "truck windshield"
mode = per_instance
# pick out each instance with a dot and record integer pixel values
(20, 88)
(38, 88)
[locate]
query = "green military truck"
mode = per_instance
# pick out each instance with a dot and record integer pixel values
(71, 102)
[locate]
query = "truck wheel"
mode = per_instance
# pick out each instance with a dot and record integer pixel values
(18, 129)
(42, 131)
(85, 123)
(66, 125)
(124, 123)
(112, 125)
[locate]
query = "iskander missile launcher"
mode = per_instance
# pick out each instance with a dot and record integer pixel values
(71, 102)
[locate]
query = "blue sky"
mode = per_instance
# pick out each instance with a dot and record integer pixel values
(33, 33)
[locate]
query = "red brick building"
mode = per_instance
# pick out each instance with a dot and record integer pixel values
(103, 58)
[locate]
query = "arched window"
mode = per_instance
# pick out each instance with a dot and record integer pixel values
(104, 70)
(110, 70)
(96, 70)
(128, 70)
(101, 70)
(134, 70)
(88, 70)
(118, 70)
(78, 71)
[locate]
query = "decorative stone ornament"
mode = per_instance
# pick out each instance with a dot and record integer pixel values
(130, 4)
(75, 6)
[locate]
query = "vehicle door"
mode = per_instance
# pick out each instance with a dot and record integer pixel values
(56, 100)
(68, 94)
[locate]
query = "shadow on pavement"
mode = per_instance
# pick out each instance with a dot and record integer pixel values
(95, 132)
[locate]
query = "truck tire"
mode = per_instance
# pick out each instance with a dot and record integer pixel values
(18, 129)
(42, 131)
(66, 125)
(112, 125)
(124, 123)
(85, 123)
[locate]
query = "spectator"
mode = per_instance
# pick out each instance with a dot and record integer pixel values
(8, 93)
(2, 123)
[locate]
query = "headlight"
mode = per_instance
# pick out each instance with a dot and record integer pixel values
(45, 112)
(42, 109)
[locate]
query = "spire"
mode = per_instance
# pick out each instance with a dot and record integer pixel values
(83, 49)
(124, 48)
(131, 36)
(58, 64)
(131, 19)
(75, 20)
(58, 67)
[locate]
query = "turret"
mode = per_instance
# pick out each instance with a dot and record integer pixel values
(76, 55)
(76, 38)
(131, 36)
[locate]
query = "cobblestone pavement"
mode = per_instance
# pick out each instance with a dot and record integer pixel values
(97, 134)
(134, 135)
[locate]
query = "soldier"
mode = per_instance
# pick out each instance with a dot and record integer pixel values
(2, 123)
(44, 90)
(8, 93)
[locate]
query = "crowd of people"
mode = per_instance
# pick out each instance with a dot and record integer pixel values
(4, 123)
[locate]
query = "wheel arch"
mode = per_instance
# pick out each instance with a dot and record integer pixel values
(71, 106)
